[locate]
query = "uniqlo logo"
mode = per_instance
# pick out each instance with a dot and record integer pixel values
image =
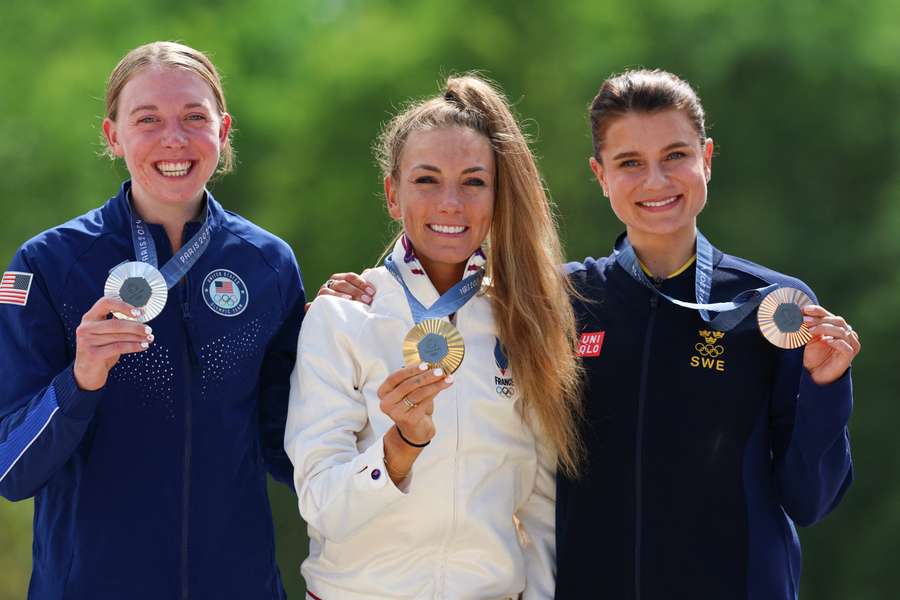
(591, 343)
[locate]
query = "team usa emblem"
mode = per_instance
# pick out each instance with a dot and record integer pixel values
(225, 293)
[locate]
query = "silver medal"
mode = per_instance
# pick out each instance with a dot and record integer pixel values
(139, 284)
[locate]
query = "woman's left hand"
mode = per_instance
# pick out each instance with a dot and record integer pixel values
(832, 348)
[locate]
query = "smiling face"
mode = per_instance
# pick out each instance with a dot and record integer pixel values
(654, 170)
(170, 132)
(443, 192)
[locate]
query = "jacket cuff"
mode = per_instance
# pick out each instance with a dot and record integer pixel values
(371, 472)
(823, 411)
(72, 400)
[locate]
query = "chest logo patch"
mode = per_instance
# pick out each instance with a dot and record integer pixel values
(591, 343)
(708, 352)
(504, 384)
(225, 293)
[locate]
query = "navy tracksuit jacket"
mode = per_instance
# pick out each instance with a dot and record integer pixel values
(704, 450)
(153, 487)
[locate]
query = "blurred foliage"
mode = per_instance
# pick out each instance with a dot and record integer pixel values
(802, 98)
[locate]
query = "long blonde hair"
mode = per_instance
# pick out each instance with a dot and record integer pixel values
(529, 292)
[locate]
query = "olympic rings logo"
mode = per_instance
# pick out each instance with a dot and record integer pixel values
(224, 299)
(505, 391)
(709, 350)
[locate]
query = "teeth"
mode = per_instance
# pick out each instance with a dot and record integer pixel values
(448, 228)
(659, 203)
(174, 169)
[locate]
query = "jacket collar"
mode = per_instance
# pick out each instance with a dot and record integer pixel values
(119, 209)
(414, 275)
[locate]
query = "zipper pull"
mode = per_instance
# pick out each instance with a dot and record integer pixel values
(186, 311)
(654, 301)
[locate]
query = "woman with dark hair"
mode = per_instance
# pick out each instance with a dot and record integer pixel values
(706, 444)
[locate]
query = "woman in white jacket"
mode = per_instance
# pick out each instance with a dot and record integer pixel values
(416, 482)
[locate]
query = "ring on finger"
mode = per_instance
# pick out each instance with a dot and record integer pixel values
(409, 403)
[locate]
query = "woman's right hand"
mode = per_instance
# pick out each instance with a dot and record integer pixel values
(349, 286)
(99, 341)
(407, 397)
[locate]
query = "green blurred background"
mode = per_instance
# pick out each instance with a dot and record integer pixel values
(802, 98)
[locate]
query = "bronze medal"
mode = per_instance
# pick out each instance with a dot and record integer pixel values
(780, 317)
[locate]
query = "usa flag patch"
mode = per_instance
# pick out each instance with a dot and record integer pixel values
(14, 288)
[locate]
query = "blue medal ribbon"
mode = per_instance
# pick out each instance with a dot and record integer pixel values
(730, 313)
(182, 261)
(449, 302)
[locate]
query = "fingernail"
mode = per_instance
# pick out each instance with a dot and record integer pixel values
(145, 345)
(366, 299)
(345, 296)
(448, 379)
(808, 319)
(438, 372)
(135, 312)
(148, 330)
(423, 366)
(150, 338)
(370, 291)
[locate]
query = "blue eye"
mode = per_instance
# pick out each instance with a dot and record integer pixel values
(629, 163)
(675, 155)
(147, 119)
(196, 117)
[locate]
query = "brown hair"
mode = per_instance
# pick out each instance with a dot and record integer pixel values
(645, 91)
(174, 56)
(529, 292)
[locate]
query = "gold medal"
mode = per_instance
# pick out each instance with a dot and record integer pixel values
(140, 285)
(436, 342)
(780, 318)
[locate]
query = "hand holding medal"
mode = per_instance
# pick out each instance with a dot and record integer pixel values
(100, 341)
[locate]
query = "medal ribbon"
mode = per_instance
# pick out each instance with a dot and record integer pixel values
(449, 302)
(182, 261)
(730, 313)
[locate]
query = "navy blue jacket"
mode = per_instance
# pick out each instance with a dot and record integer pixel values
(155, 485)
(704, 450)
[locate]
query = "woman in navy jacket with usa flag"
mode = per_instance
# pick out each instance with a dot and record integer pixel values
(146, 446)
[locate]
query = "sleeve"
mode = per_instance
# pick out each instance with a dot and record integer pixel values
(810, 441)
(276, 371)
(339, 488)
(43, 413)
(537, 518)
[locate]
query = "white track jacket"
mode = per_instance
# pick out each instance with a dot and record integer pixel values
(449, 531)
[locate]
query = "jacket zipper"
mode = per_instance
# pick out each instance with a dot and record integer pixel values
(639, 450)
(189, 363)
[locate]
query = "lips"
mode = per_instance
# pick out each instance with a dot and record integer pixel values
(660, 203)
(174, 168)
(447, 229)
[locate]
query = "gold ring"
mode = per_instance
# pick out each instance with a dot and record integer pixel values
(409, 403)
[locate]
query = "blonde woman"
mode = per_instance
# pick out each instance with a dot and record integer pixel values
(416, 482)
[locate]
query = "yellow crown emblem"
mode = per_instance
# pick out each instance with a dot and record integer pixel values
(711, 337)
